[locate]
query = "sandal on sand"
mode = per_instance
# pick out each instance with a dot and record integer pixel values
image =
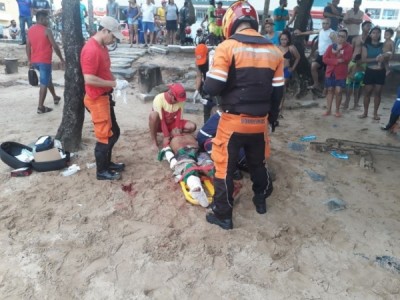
(57, 100)
(44, 109)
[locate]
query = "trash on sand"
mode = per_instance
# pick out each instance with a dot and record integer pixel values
(308, 138)
(70, 170)
(339, 155)
(315, 176)
(389, 262)
(90, 165)
(297, 146)
(336, 204)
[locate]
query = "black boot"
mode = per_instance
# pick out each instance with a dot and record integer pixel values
(117, 167)
(102, 167)
(260, 203)
(223, 223)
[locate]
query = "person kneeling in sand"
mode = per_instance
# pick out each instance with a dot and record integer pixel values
(188, 163)
(167, 113)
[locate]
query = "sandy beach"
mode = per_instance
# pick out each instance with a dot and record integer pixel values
(78, 238)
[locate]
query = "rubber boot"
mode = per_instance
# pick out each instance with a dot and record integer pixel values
(102, 167)
(223, 223)
(117, 167)
(260, 202)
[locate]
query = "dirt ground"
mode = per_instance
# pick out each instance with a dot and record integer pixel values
(78, 238)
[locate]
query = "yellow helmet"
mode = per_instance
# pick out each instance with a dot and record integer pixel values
(238, 12)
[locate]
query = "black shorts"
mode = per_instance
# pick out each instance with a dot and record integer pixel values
(172, 25)
(320, 62)
(374, 77)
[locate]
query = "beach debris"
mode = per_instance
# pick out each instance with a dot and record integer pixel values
(308, 138)
(388, 262)
(336, 204)
(314, 175)
(339, 155)
(297, 146)
(70, 170)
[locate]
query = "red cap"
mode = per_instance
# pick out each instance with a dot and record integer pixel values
(178, 91)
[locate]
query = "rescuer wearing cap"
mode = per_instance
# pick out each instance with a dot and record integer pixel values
(166, 116)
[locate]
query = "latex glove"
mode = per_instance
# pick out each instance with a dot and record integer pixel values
(196, 96)
(204, 101)
(121, 84)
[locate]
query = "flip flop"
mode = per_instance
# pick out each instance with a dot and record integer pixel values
(44, 109)
(57, 100)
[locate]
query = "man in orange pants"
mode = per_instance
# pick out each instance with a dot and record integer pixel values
(99, 84)
(247, 72)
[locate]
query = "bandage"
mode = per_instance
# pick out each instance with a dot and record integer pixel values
(196, 190)
(170, 157)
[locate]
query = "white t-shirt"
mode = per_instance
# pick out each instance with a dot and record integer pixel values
(324, 40)
(148, 12)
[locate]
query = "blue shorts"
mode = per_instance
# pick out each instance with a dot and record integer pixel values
(331, 82)
(44, 73)
(148, 26)
(287, 73)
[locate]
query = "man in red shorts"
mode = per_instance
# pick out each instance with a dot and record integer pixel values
(99, 84)
(166, 116)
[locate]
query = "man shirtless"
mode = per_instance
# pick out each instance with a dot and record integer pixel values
(358, 41)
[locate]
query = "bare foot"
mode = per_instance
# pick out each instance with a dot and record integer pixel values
(362, 116)
(338, 114)
(327, 113)
(376, 118)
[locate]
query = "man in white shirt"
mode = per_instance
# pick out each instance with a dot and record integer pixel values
(148, 12)
(326, 36)
(353, 18)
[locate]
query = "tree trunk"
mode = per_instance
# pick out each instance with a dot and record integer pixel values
(303, 69)
(70, 130)
(92, 29)
(265, 15)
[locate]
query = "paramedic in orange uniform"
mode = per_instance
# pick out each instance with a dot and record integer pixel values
(99, 84)
(166, 116)
(247, 72)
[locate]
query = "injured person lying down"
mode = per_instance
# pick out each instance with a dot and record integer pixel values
(188, 164)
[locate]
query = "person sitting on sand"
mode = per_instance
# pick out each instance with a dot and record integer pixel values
(395, 113)
(167, 115)
(188, 163)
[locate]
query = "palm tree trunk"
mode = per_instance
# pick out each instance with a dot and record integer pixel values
(70, 130)
(303, 69)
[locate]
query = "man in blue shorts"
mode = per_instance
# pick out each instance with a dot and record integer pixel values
(39, 50)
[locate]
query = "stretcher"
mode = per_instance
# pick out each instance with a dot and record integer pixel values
(207, 186)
